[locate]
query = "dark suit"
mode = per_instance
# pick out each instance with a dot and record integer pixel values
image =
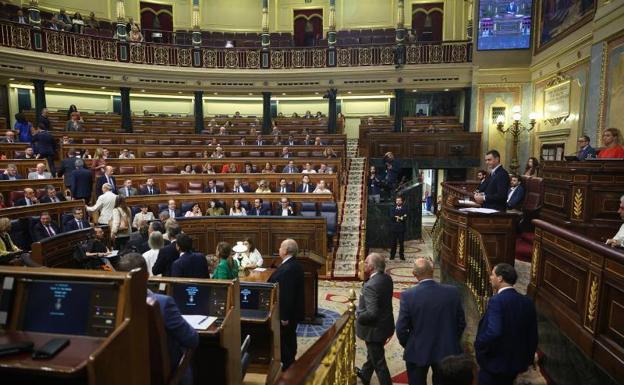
(516, 198)
(4, 176)
(375, 324)
(180, 335)
(22, 202)
(101, 181)
(81, 184)
(430, 325)
(67, 166)
(482, 185)
(217, 189)
(45, 145)
(585, 152)
(166, 256)
(190, 265)
(291, 299)
(176, 212)
(260, 211)
(311, 188)
(45, 121)
(47, 199)
(506, 339)
(398, 216)
(288, 189)
(40, 232)
(242, 189)
(72, 225)
(497, 189)
(146, 191)
(278, 211)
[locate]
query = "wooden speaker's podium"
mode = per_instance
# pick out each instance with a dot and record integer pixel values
(102, 314)
(311, 263)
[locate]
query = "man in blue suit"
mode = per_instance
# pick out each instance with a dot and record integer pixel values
(45, 146)
(507, 336)
(398, 216)
(495, 193)
(258, 208)
(77, 222)
(585, 150)
(516, 193)
(180, 334)
(430, 324)
(81, 182)
(190, 264)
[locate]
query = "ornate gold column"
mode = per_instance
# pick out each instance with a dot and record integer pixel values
(331, 35)
(121, 20)
(265, 58)
(400, 34)
(195, 21)
(34, 17)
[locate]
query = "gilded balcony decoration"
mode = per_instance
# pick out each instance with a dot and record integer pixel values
(108, 50)
(461, 246)
(414, 54)
(318, 58)
(592, 303)
(365, 56)
(344, 57)
(55, 42)
(458, 53)
(184, 57)
(161, 55)
(253, 59)
(231, 59)
(577, 208)
(82, 46)
(21, 37)
(387, 55)
(277, 59)
(137, 53)
(210, 58)
(436, 53)
(535, 256)
(298, 58)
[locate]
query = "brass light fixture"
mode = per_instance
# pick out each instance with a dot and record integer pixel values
(515, 129)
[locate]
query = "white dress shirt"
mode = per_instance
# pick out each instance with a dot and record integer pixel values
(619, 237)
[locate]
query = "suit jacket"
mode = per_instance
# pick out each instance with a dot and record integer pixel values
(516, 198)
(4, 176)
(398, 225)
(67, 166)
(47, 199)
(72, 225)
(278, 212)
(290, 170)
(21, 202)
(243, 188)
(374, 186)
(219, 189)
(166, 256)
(39, 232)
(288, 189)
(81, 183)
(587, 151)
(180, 335)
(122, 191)
(375, 321)
(33, 175)
(145, 191)
(431, 322)
(190, 265)
(291, 292)
(497, 189)
(482, 185)
(507, 336)
(44, 143)
(177, 212)
(45, 121)
(311, 188)
(100, 182)
(256, 211)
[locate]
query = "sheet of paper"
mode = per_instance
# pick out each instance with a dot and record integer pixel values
(478, 210)
(259, 269)
(466, 202)
(199, 322)
(112, 254)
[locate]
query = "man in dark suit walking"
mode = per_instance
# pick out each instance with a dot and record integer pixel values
(67, 166)
(495, 194)
(190, 264)
(45, 146)
(430, 325)
(375, 321)
(291, 298)
(398, 216)
(81, 182)
(507, 336)
(168, 254)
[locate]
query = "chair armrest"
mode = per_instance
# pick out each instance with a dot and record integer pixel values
(184, 362)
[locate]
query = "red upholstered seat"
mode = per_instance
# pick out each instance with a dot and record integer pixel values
(149, 169)
(303, 154)
(106, 141)
(179, 141)
(126, 170)
(195, 187)
(170, 169)
(14, 196)
(236, 154)
(152, 154)
(164, 142)
(89, 141)
(184, 154)
(131, 141)
(169, 154)
(150, 141)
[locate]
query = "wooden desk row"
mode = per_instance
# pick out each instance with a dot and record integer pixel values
(11, 190)
(24, 166)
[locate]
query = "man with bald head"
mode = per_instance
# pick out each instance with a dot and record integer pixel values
(430, 325)
(29, 198)
(291, 299)
(375, 321)
(40, 172)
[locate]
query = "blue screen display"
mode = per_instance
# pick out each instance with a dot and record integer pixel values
(504, 24)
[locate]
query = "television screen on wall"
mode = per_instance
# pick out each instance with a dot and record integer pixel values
(504, 24)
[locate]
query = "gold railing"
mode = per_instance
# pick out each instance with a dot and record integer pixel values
(477, 270)
(436, 236)
(331, 359)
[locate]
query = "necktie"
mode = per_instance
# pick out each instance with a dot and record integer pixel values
(108, 180)
(127, 192)
(28, 202)
(283, 189)
(305, 188)
(214, 189)
(79, 224)
(54, 199)
(151, 192)
(50, 231)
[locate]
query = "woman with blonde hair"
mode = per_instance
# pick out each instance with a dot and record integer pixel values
(263, 187)
(98, 162)
(227, 267)
(6, 244)
(155, 243)
(207, 168)
(612, 147)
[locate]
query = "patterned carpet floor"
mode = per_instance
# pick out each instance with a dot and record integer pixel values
(333, 301)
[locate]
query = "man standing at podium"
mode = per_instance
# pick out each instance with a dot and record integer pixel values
(291, 299)
(495, 193)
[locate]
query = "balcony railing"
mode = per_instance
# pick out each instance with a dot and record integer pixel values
(70, 44)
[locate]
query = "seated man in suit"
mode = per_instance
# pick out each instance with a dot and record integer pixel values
(516, 193)
(80, 181)
(259, 141)
(286, 153)
(29, 198)
(291, 141)
(585, 150)
(9, 137)
(106, 178)
(77, 222)
(497, 189)
(324, 169)
(290, 168)
(150, 188)
(239, 188)
(29, 153)
(52, 195)
(127, 190)
(168, 254)
(172, 210)
(305, 186)
(285, 209)
(257, 208)
(39, 173)
(10, 173)
(45, 228)
(189, 264)
(212, 187)
(307, 141)
(284, 187)
(241, 142)
(318, 141)
(180, 334)
(482, 177)
(20, 18)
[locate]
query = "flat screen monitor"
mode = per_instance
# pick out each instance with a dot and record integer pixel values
(504, 25)
(249, 298)
(69, 307)
(198, 299)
